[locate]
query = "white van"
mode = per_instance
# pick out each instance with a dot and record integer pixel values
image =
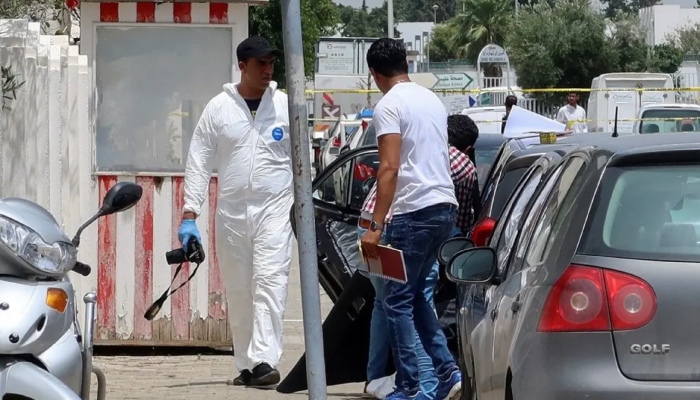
(496, 96)
(621, 90)
(488, 119)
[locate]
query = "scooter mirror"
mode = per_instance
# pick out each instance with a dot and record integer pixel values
(121, 197)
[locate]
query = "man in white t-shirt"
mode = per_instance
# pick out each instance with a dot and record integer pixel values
(414, 182)
(573, 115)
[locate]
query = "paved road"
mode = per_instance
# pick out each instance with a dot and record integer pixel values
(204, 377)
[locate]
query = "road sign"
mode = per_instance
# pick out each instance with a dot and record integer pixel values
(493, 53)
(337, 57)
(455, 81)
(330, 111)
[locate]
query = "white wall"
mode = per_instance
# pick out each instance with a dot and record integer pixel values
(663, 20)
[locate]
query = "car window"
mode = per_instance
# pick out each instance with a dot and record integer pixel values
(370, 138)
(333, 189)
(364, 174)
(530, 221)
(510, 226)
(670, 120)
(485, 156)
(504, 189)
(556, 210)
(646, 212)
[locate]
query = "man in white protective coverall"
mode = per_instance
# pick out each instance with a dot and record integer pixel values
(244, 133)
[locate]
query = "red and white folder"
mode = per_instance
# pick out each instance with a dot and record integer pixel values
(390, 264)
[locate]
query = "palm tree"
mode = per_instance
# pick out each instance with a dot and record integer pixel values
(483, 22)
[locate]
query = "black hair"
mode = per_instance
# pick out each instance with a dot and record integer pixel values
(511, 100)
(462, 132)
(387, 57)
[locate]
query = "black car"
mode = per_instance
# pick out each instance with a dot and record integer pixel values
(514, 158)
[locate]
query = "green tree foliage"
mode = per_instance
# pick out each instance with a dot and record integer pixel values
(441, 45)
(665, 58)
(688, 39)
(422, 10)
(486, 22)
(362, 22)
(318, 18)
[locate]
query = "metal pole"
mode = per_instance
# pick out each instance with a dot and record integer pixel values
(427, 51)
(516, 7)
(303, 205)
(390, 19)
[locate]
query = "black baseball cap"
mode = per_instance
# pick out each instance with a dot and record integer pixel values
(255, 47)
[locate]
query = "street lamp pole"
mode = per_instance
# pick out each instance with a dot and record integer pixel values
(390, 18)
(435, 8)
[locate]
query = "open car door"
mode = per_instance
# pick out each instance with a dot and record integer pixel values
(338, 195)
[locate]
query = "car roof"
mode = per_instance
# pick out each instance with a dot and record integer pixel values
(490, 139)
(640, 144)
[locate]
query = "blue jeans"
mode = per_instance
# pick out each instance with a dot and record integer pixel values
(419, 234)
(379, 344)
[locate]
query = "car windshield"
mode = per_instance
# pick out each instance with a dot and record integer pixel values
(350, 132)
(649, 212)
(505, 188)
(485, 155)
(670, 120)
(370, 138)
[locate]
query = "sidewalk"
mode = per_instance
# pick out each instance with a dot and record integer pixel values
(204, 377)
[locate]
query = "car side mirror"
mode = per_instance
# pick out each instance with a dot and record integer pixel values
(451, 247)
(121, 197)
(475, 265)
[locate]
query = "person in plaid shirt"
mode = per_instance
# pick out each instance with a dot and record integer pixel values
(462, 130)
(462, 134)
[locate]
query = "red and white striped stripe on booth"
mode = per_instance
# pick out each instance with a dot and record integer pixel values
(132, 270)
(183, 13)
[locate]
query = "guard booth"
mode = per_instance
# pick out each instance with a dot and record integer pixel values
(155, 66)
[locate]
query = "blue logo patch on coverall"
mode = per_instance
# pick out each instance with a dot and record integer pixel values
(277, 134)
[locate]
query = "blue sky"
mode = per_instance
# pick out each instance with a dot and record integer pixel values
(377, 3)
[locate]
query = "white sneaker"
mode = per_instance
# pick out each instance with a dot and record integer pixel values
(380, 388)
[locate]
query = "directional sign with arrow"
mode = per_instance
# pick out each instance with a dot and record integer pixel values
(456, 81)
(330, 111)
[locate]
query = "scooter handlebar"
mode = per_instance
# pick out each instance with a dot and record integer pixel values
(82, 269)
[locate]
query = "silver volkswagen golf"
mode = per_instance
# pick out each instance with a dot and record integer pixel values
(590, 286)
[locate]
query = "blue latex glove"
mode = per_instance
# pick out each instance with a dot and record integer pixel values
(188, 230)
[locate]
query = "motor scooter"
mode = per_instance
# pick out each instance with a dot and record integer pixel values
(43, 353)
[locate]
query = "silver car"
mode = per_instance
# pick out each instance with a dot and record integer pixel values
(588, 289)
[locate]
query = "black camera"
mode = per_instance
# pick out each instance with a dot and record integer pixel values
(192, 253)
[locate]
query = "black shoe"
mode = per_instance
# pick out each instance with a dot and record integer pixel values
(243, 379)
(264, 375)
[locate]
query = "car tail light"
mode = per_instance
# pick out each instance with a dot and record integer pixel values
(363, 172)
(482, 231)
(335, 142)
(588, 299)
(632, 301)
(365, 124)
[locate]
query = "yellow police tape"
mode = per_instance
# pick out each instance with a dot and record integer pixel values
(571, 121)
(501, 90)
